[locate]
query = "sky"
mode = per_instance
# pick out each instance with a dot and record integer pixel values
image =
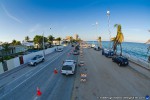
(87, 18)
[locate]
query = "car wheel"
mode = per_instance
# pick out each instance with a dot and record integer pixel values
(35, 64)
(119, 64)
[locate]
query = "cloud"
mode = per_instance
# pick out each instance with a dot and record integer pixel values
(10, 15)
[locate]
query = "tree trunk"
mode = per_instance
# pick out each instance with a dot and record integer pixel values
(120, 49)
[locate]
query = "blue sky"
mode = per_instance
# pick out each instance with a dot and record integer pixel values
(20, 18)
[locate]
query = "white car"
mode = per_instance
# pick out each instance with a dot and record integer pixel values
(35, 60)
(93, 45)
(69, 67)
(59, 49)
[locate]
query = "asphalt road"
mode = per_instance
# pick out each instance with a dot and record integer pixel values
(53, 86)
(106, 79)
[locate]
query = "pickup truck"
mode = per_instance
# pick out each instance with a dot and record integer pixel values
(35, 60)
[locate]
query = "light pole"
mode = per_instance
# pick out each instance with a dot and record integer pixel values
(108, 15)
(43, 45)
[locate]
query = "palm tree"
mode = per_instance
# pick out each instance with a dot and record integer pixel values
(27, 38)
(118, 39)
(100, 41)
(71, 39)
(14, 42)
(59, 39)
(50, 38)
(6, 47)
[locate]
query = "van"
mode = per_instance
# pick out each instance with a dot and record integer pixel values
(68, 67)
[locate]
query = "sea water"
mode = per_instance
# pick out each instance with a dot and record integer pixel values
(136, 50)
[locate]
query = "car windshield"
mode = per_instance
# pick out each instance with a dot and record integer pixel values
(66, 67)
(34, 58)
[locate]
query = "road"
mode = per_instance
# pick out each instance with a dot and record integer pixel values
(106, 79)
(53, 86)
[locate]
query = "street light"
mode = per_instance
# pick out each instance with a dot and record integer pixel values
(43, 45)
(108, 15)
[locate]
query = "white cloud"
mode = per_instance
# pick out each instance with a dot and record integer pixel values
(10, 15)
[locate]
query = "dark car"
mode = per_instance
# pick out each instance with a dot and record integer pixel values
(109, 53)
(120, 60)
(75, 52)
(77, 47)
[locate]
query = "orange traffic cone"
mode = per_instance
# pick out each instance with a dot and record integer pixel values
(55, 71)
(39, 93)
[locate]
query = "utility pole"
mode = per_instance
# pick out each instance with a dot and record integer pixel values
(43, 46)
(108, 14)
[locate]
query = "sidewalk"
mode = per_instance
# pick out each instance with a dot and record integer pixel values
(106, 79)
(140, 69)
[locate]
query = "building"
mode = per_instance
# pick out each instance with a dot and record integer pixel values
(76, 36)
(17, 49)
(68, 38)
(29, 44)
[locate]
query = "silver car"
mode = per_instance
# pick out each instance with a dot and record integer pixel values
(35, 60)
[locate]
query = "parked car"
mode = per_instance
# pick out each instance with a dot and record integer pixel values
(104, 50)
(96, 48)
(120, 60)
(69, 67)
(75, 52)
(35, 60)
(109, 53)
(77, 47)
(93, 45)
(59, 49)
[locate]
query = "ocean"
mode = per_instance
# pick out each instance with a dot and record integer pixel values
(136, 50)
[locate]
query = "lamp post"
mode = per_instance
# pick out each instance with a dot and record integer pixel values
(108, 15)
(43, 45)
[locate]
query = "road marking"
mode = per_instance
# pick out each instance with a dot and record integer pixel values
(32, 75)
(35, 98)
(24, 74)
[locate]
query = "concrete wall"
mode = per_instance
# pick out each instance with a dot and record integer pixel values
(16, 62)
(12, 63)
(1, 68)
(50, 50)
(28, 57)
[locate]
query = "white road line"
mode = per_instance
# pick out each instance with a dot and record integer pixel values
(24, 74)
(31, 75)
(35, 98)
